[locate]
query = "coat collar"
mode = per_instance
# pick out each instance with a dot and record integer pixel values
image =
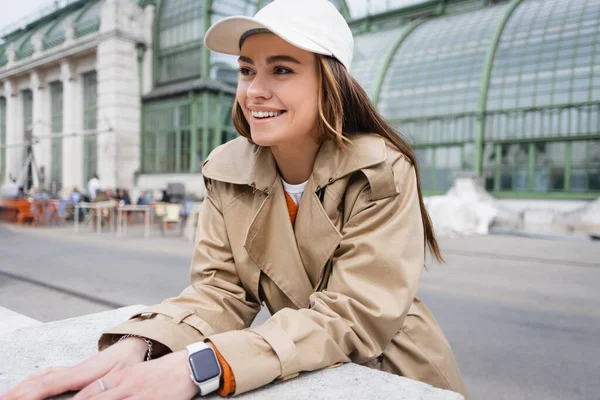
(240, 162)
(292, 258)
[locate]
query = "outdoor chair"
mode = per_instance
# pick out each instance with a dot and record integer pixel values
(172, 216)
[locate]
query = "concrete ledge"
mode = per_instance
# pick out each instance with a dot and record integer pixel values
(27, 350)
(12, 321)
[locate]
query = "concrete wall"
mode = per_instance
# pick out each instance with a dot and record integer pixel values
(112, 54)
(62, 343)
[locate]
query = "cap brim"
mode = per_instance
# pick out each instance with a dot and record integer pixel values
(224, 36)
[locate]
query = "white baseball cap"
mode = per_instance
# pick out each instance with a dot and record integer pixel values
(311, 25)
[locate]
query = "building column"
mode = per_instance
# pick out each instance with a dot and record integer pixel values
(13, 152)
(72, 144)
(119, 98)
(148, 31)
(40, 128)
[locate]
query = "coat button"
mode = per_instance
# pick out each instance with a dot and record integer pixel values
(331, 180)
(318, 188)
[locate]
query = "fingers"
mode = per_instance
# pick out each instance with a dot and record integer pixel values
(39, 386)
(99, 387)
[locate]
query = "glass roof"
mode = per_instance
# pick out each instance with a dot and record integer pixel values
(438, 68)
(86, 19)
(546, 55)
(362, 8)
(180, 22)
(369, 51)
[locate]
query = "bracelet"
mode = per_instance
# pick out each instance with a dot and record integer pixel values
(148, 342)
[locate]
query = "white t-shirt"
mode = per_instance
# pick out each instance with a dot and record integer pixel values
(93, 187)
(295, 191)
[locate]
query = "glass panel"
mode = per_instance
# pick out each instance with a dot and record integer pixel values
(181, 29)
(437, 71)
(594, 165)
(447, 163)
(90, 109)
(549, 171)
(578, 167)
(184, 152)
(167, 136)
(544, 56)
(489, 159)
(369, 50)
(89, 20)
(56, 110)
(150, 151)
(362, 8)
(180, 65)
(180, 22)
(27, 110)
(425, 166)
(514, 167)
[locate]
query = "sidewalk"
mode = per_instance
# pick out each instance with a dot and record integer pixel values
(170, 243)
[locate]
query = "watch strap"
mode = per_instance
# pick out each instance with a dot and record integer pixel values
(211, 385)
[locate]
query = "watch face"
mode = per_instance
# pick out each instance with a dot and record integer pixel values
(204, 365)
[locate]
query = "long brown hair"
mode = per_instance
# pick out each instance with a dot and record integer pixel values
(345, 108)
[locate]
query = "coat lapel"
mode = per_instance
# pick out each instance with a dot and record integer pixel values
(271, 244)
(316, 235)
(294, 258)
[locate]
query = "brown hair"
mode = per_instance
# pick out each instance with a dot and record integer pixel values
(344, 107)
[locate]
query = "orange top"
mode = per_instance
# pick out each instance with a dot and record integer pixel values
(292, 208)
(228, 380)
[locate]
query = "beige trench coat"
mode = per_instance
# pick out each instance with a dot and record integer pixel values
(341, 285)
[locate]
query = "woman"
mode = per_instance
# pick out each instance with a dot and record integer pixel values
(316, 211)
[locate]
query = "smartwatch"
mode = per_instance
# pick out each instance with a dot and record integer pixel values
(205, 370)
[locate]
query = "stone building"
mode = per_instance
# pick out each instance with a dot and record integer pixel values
(69, 79)
(509, 90)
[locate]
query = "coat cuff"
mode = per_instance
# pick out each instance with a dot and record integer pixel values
(166, 324)
(244, 350)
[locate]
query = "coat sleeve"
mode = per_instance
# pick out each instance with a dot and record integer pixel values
(373, 282)
(214, 302)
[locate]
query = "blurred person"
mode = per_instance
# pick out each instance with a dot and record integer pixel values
(75, 196)
(124, 198)
(316, 211)
(94, 186)
(142, 199)
(165, 197)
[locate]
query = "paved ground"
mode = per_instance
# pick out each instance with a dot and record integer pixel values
(522, 315)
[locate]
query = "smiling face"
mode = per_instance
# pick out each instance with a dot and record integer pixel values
(278, 91)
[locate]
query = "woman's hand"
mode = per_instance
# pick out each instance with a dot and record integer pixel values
(165, 378)
(54, 381)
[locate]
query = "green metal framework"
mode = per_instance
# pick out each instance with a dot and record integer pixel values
(3, 56)
(509, 90)
(2, 138)
(179, 132)
(55, 35)
(178, 39)
(544, 98)
(27, 103)
(56, 117)
(27, 96)
(176, 140)
(86, 19)
(90, 123)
